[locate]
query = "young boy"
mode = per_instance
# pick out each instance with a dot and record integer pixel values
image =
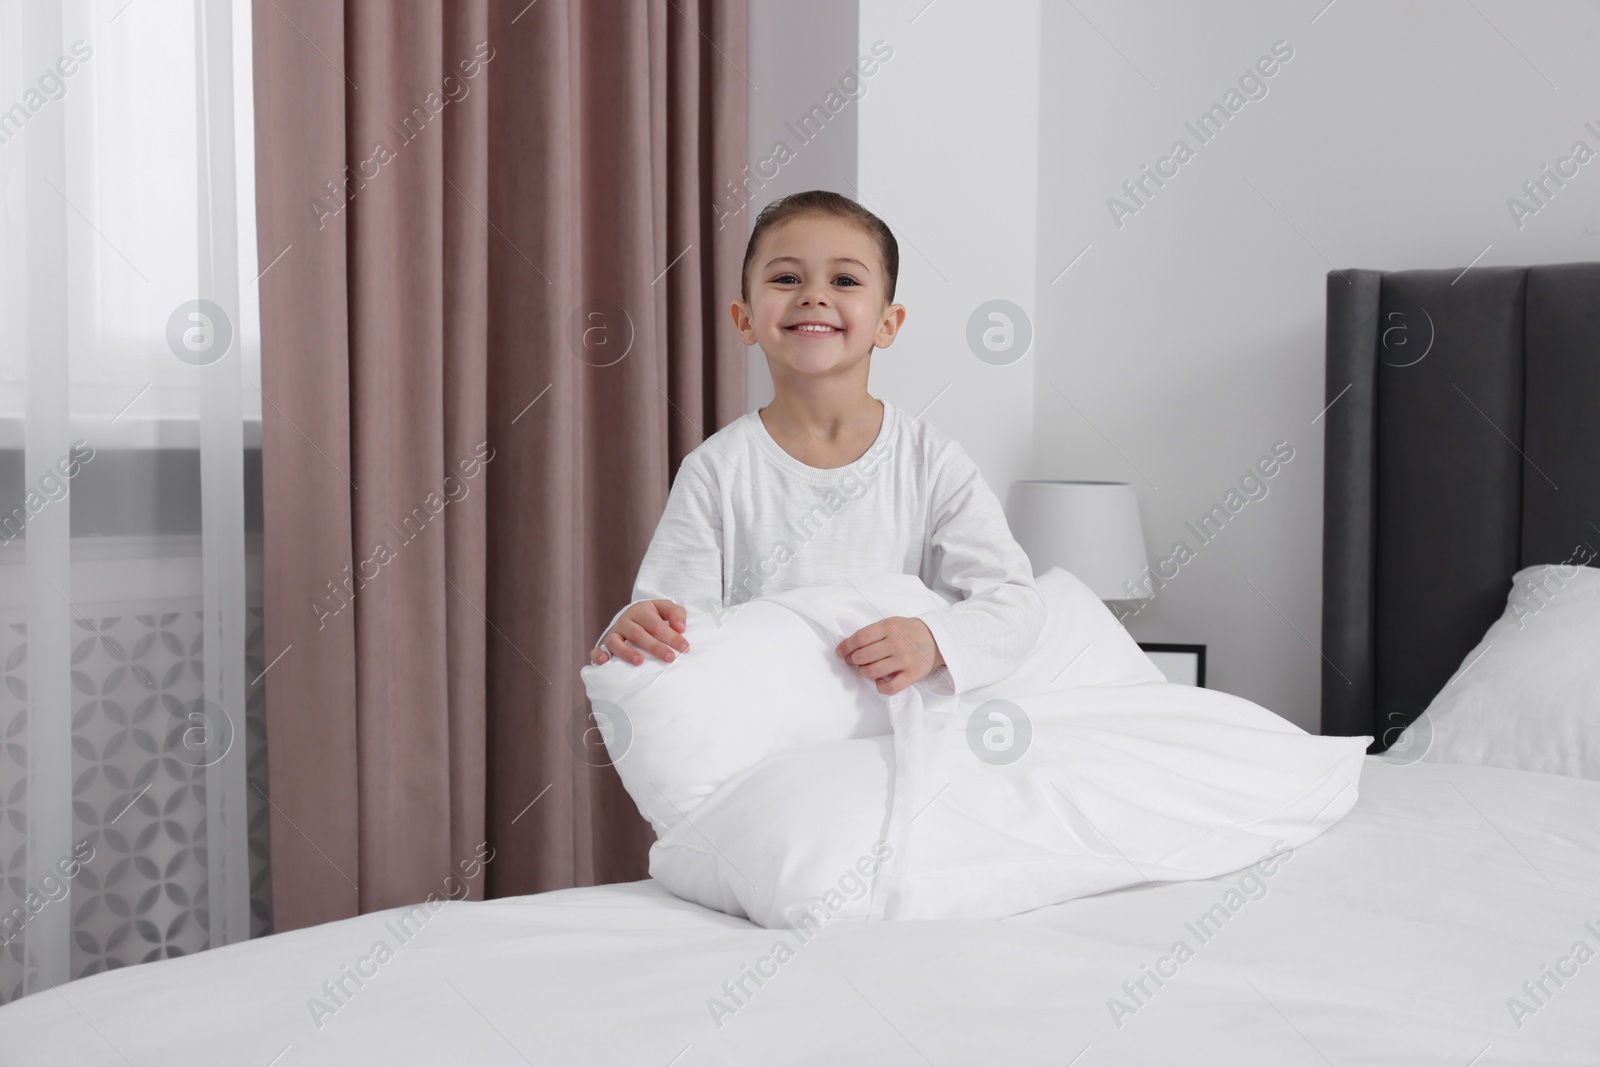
(828, 482)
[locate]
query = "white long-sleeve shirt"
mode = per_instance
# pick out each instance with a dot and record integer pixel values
(745, 519)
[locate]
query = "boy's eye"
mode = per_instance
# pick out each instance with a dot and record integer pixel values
(790, 279)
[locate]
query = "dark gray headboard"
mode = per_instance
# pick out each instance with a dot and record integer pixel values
(1463, 443)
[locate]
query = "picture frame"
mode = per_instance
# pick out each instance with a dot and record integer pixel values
(1183, 664)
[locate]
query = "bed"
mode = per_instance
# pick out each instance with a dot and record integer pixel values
(1398, 937)
(1451, 918)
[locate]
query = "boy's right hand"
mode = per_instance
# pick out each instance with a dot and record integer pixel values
(650, 625)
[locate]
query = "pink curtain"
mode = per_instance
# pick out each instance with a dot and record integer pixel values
(493, 322)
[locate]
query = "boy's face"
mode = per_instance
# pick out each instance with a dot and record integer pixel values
(817, 269)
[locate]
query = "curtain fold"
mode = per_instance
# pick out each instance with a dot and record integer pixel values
(497, 325)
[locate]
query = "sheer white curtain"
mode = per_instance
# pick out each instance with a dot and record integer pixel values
(131, 690)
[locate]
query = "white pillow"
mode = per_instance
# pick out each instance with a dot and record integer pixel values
(1528, 696)
(1118, 777)
(782, 835)
(759, 678)
(1122, 784)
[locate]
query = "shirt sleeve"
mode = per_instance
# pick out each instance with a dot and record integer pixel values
(684, 561)
(989, 632)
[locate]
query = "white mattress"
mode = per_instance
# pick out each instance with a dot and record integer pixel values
(1397, 937)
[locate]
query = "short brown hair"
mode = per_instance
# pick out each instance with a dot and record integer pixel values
(824, 202)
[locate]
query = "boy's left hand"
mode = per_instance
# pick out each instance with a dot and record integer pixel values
(893, 652)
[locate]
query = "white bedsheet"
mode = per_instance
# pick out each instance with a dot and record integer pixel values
(1395, 938)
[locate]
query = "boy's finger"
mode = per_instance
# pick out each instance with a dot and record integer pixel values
(643, 640)
(880, 668)
(870, 652)
(677, 615)
(854, 641)
(668, 636)
(621, 649)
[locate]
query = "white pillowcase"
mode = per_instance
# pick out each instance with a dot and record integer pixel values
(1528, 696)
(1122, 778)
(787, 834)
(759, 678)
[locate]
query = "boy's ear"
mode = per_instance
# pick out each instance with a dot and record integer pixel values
(894, 316)
(743, 321)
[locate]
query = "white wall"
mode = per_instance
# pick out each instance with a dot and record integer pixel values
(947, 157)
(1192, 336)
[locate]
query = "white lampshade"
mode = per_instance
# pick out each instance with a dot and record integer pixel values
(1089, 529)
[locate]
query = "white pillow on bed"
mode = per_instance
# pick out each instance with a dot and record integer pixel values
(759, 678)
(790, 831)
(1124, 784)
(1528, 696)
(785, 788)
(1192, 783)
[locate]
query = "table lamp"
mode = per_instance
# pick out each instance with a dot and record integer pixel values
(1089, 529)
